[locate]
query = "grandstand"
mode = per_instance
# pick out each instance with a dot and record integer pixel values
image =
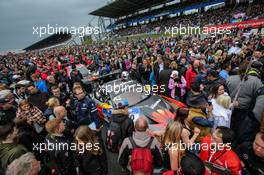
(152, 16)
(51, 41)
(132, 13)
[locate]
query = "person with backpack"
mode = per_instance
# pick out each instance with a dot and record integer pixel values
(120, 127)
(144, 150)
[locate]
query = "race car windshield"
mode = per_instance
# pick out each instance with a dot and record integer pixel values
(131, 97)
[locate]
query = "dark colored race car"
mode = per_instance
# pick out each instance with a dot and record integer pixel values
(140, 100)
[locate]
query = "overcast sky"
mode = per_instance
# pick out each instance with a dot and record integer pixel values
(18, 17)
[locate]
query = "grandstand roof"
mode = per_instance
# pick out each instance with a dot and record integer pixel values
(121, 8)
(49, 41)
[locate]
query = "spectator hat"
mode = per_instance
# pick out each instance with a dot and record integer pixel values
(175, 72)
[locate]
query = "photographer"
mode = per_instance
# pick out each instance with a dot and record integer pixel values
(216, 152)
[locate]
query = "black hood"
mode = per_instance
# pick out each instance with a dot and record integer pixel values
(196, 101)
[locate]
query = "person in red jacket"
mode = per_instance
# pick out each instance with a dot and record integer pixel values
(191, 73)
(216, 150)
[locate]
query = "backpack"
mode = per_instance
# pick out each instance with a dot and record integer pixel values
(141, 158)
(114, 136)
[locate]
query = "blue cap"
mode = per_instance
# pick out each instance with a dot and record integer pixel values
(123, 103)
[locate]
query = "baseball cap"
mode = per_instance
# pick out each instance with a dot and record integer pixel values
(3, 95)
(212, 72)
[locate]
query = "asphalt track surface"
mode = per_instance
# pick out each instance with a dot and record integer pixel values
(113, 166)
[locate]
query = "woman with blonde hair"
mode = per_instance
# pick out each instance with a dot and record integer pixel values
(221, 113)
(51, 103)
(91, 161)
(173, 65)
(171, 141)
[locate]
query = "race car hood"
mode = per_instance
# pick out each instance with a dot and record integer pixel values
(157, 110)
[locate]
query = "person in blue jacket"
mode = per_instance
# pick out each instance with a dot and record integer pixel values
(39, 83)
(103, 69)
(86, 111)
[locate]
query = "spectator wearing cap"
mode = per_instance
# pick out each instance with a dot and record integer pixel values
(16, 78)
(7, 107)
(20, 92)
(177, 84)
